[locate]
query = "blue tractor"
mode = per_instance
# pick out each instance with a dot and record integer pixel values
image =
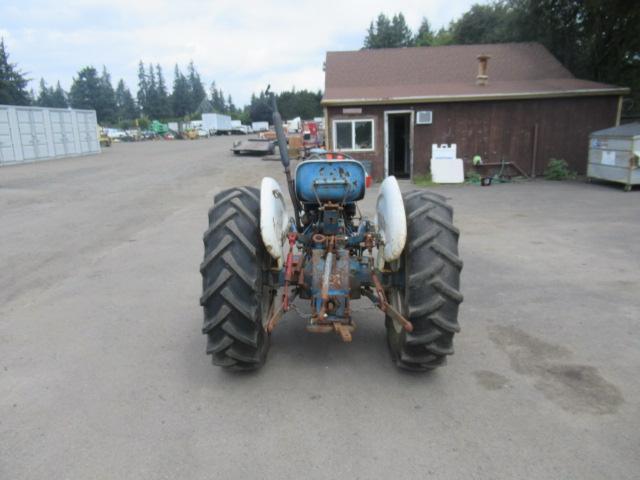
(405, 260)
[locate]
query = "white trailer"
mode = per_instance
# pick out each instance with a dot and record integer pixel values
(29, 134)
(216, 123)
(260, 126)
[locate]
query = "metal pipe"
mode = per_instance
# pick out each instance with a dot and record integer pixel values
(326, 276)
(534, 155)
(284, 158)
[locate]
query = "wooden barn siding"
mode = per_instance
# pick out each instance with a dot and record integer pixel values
(499, 130)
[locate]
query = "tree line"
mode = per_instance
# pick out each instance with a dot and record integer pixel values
(595, 39)
(291, 104)
(186, 99)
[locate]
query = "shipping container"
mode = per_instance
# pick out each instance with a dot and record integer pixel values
(29, 134)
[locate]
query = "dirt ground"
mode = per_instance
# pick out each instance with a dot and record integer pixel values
(103, 372)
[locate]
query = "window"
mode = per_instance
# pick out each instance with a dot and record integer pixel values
(353, 135)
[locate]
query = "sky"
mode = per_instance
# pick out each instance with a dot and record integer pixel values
(243, 45)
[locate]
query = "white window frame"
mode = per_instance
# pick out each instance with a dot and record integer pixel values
(352, 121)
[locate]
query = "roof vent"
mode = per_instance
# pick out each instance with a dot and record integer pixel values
(483, 61)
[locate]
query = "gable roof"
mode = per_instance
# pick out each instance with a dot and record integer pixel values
(448, 73)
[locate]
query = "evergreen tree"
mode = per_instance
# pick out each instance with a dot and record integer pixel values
(292, 103)
(58, 97)
(388, 33)
(180, 98)
(13, 84)
(86, 90)
(125, 105)
(485, 24)
(152, 94)
(164, 105)
(217, 99)
(260, 108)
(231, 108)
(44, 95)
(425, 36)
(143, 89)
(106, 101)
(196, 90)
(50, 97)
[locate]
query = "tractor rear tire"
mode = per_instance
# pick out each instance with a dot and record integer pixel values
(430, 292)
(237, 294)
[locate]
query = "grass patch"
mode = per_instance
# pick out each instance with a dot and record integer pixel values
(558, 169)
(424, 180)
(473, 178)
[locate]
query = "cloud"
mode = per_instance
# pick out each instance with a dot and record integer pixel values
(243, 45)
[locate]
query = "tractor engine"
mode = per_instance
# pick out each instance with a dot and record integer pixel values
(328, 190)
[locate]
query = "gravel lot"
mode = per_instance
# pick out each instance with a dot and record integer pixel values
(103, 373)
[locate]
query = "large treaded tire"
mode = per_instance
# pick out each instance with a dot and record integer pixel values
(236, 291)
(430, 295)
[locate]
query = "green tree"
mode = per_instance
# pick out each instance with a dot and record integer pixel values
(260, 108)
(106, 101)
(44, 95)
(51, 97)
(58, 97)
(299, 103)
(13, 84)
(143, 88)
(425, 36)
(152, 94)
(485, 24)
(388, 33)
(86, 90)
(231, 108)
(125, 105)
(180, 97)
(442, 37)
(196, 90)
(291, 104)
(164, 104)
(217, 99)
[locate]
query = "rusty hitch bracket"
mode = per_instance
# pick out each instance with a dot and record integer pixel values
(279, 313)
(288, 276)
(386, 307)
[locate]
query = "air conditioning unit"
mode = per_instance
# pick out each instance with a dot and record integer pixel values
(425, 117)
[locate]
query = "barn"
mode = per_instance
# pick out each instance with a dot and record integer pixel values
(511, 103)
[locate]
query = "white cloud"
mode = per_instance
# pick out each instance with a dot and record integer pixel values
(242, 45)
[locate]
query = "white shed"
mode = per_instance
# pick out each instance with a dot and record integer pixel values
(614, 155)
(29, 134)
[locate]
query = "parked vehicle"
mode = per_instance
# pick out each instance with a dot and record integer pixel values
(216, 123)
(115, 133)
(159, 128)
(324, 253)
(260, 126)
(105, 140)
(254, 146)
(240, 130)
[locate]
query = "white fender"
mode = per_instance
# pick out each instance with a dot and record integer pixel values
(390, 219)
(274, 220)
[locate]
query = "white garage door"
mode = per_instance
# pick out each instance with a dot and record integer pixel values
(7, 153)
(32, 134)
(62, 128)
(88, 132)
